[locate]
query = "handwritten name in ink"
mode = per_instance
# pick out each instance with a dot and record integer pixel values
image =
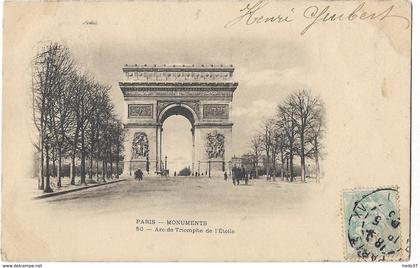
(260, 12)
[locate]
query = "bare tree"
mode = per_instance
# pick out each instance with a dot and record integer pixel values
(101, 114)
(94, 123)
(76, 82)
(62, 120)
(86, 107)
(315, 136)
(49, 67)
(278, 148)
(119, 142)
(256, 148)
(286, 121)
(305, 107)
(73, 115)
(297, 129)
(270, 146)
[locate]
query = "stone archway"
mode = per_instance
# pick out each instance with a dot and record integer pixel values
(202, 94)
(177, 109)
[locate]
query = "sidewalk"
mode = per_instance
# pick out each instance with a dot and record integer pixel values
(68, 188)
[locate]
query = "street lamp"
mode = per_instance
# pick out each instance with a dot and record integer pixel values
(209, 168)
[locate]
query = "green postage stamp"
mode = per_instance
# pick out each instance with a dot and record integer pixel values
(372, 224)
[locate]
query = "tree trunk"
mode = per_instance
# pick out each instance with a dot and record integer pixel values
(302, 158)
(118, 162)
(303, 169)
(59, 170)
(112, 169)
(54, 167)
(291, 164)
(267, 168)
(73, 157)
(82, 159)
(91, 167)
(256, 170)
(41, 167)
(97, 169)
(73, 170)
(92, 148)
(282, 165)
(47, 188)
(317, 171)
(103, 170)
(41, 140)
(97, 149)
(273, 157)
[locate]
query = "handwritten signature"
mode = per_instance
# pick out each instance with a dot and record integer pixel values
(252, 13)
(90, 22)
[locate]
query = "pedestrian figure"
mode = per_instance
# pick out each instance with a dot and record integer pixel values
(239, 175)
(139, 174)
(225, 175)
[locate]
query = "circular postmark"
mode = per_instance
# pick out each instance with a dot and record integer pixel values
(374, 225)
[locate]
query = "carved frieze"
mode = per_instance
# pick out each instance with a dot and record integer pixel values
(140, 110)
(169, 93)
(215, 111)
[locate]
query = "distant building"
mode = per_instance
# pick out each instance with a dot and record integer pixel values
(236, 162)
(245, 161)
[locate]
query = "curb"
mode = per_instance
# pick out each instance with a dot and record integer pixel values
(76, 189)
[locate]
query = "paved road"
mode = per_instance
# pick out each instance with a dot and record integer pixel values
(184, 194)
(102, 221)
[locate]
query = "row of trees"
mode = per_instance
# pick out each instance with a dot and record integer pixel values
(74, 117)
(296, 130)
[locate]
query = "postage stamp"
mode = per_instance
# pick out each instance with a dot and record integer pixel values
(372, 224)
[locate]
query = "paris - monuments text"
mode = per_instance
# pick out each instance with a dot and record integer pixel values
(201, 93)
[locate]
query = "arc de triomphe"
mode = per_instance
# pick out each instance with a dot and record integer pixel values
(203, 94)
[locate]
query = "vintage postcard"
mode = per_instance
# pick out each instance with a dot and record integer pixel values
(255, 130)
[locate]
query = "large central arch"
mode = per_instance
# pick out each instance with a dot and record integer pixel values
(178, 109)
(185, 111)
(202, 94)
